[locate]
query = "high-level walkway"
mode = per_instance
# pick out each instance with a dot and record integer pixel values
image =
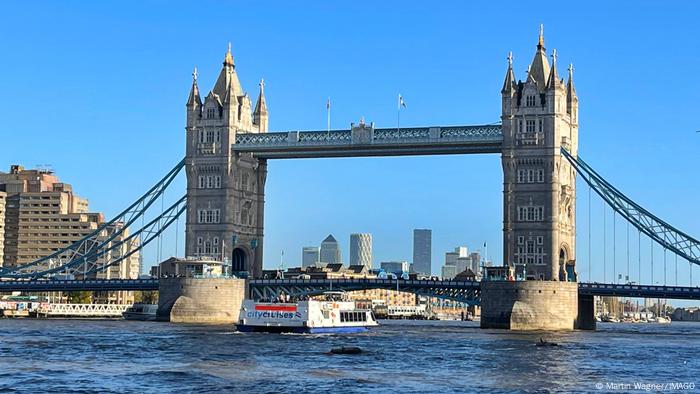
(372, 142)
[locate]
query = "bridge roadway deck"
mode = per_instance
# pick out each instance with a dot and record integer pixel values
(78, 285)
(372, 142)
(446, 288)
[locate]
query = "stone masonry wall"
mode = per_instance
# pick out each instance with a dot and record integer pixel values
(529, 305)
(203, 301)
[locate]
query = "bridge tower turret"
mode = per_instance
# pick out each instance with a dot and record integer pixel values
(225, 190)
(539, 117)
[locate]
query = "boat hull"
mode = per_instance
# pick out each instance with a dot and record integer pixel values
(139, 316)
(303, 330)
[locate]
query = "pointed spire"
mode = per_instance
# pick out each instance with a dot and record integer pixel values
(228, 77)
(260, 112)
(231, 95)
(510, 76)
(553, 79)
(228, 59)
(261, 105)
(539, 69)
(571, 90)
(571, 99)
(194, 98)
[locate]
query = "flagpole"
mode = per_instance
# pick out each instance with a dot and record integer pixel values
(398, 113)
(328, 106)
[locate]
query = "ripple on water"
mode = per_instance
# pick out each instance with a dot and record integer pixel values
(408, 357)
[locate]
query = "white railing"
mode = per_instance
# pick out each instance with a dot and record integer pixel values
(82, 310)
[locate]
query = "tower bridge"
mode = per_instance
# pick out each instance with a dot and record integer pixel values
(228, 145)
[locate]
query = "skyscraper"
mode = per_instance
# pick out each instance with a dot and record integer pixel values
(422, 248)
(2, 226)
(310, 255)
(361, 249)
(330, 251)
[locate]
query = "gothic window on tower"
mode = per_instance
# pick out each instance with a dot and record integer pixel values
(209, 216)
(530, 213)
(244, 181)
(211, 113)
(530, 126)
(530, 175)
(244, 216)
(528, 252)
(530, 101)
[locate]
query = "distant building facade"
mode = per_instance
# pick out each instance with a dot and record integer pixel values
(448, 272)
(422, 249)
(3, 196)
(330, 250)
(361, 249)
(394, 266)
(310, 256)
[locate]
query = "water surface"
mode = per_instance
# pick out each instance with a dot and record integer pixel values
(64, 356)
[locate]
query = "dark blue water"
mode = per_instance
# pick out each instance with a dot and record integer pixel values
(63, 356)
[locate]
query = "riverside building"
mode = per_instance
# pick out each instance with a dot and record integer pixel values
(42, 215)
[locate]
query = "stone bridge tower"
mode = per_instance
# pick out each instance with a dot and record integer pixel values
(539, 116)
(225, 191)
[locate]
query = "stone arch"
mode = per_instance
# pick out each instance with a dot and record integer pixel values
(563, 258)
(240, 259)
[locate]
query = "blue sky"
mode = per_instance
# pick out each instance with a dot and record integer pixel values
(98, 90)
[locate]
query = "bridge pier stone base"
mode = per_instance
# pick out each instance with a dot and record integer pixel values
(200, 301)
(529, 305)
(586, 313)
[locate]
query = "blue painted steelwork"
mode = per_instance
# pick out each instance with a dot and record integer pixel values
(150, 232)
(467, 291)
(43, 285)
(378, 142)
(461, 291)
(85, 251)
(641, 291)
(663, 233)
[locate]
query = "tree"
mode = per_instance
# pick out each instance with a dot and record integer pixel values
(146, 297)
(80, 297)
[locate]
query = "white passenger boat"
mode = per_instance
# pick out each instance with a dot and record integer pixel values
(334, 313)
(141, 312)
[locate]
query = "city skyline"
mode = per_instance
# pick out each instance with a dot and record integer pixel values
(609, 126)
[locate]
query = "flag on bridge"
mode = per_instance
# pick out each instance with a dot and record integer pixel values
(402, 103)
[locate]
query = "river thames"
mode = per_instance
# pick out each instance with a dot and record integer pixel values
(79, 356)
